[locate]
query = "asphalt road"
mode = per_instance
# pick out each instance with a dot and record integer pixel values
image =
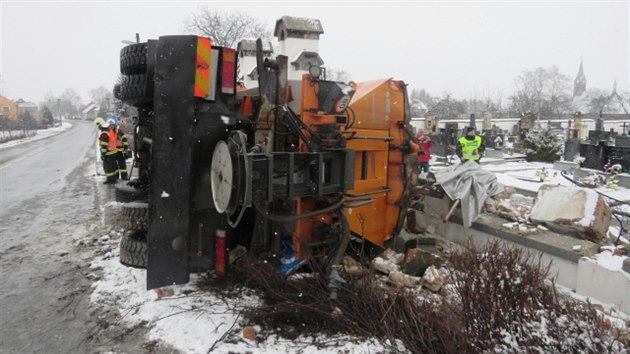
(49, 203)
(44, 166)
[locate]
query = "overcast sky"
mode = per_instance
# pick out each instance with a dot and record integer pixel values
(467, 48)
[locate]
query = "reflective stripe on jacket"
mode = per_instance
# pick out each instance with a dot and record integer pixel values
(107, 143)
(121, 142)
(468, 146)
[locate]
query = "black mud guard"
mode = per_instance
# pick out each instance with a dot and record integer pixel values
(171, 161)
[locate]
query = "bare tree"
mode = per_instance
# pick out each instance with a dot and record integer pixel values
(448, 106)
(26, 122)
(67, 103)
(102, 97)
(226, 29)
(72, 100)
(558, 91)
(337, 75)
(543, 91)
(598, 100)
(6, 125)
(421, 95)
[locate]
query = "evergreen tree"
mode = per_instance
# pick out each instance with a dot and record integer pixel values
(48, 117)
(542, 145)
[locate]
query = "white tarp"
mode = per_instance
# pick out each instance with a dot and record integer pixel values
(471, 185)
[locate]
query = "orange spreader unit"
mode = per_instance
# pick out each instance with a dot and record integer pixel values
(379, 171)
(378, 108)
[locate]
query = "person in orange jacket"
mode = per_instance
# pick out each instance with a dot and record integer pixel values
(123, 152)
(109, 151)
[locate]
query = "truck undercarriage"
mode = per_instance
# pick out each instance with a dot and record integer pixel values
(289, 170)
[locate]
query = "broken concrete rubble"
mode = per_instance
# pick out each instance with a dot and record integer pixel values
(164, 292)
(352, 267)
(433, 279)
(580, 209)
(511, 206)
(401, 279)
(415, 264)
(392, 256)
(418, 260)
(384, 266)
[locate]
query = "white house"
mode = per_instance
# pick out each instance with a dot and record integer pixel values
(246, 51)
(298, 39)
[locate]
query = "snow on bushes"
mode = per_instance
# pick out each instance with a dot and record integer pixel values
(542, 145)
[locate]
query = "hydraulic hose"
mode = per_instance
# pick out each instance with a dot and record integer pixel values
(360, 201)
(290, 218)
(332, 270)
(345, 238)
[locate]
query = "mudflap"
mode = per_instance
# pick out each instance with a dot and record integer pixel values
(171, 161)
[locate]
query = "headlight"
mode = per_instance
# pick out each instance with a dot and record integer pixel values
(315, 71)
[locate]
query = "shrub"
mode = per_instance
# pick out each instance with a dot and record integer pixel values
(543, 146)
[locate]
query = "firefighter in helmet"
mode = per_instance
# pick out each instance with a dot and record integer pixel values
(109, 150)
(101, 125)
(123, 151)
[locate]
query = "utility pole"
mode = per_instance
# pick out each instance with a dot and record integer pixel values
(59, 110)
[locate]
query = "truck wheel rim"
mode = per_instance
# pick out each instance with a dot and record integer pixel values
(221, 176)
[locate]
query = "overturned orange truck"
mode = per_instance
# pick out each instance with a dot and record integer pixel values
(289, 171)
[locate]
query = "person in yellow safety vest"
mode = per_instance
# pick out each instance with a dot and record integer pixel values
(470, 146)
(109, 150)
(123, 153)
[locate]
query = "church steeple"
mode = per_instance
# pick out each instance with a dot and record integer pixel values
(579, 85)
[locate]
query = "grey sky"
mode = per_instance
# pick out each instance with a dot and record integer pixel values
(465, 48)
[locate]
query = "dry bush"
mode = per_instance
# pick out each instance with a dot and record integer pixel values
(507, 305)
(364, 308)
(498, 301)
(498, 287)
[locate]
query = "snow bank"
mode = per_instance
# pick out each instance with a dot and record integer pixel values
(40, 134)
(608, 259)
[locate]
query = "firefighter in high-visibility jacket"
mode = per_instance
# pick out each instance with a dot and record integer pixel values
(470, 146)
(109, 151)
(123, 153)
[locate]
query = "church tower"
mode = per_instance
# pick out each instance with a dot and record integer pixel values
(579, 85)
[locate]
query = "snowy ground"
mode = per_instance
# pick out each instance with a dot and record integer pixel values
(194, 320)
(523, 176)
(190, 319)
(530, 176)
(39, 134)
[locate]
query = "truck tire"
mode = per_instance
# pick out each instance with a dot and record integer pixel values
(135, 216)
(133, 59)
(134, 90)
(126, 194)
(134, 251)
